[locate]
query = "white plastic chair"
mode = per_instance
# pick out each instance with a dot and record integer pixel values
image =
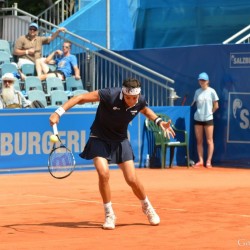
(73, 84)
(53, 83)
(5, 46)
(17, 84)
(79, 92)
(28, 69)
(4, 57)
(9, 68)
(32, 82)
(37, 95)
(58, 97)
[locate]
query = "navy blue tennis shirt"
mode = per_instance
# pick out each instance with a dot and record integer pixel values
(112, 116)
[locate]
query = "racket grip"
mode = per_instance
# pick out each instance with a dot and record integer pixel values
(55, 131)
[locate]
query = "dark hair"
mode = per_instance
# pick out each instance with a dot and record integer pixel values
(131, 83)
(66, 41)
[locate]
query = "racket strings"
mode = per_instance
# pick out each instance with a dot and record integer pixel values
(61, 160)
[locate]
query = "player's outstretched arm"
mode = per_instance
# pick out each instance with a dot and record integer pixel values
(80, 99)
(165, 126)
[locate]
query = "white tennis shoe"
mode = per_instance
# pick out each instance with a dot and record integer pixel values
(109, 223)
(153, 217)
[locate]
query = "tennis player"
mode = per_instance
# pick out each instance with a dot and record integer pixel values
(108, 141)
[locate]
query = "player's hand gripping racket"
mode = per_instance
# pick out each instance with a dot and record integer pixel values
(61, 163)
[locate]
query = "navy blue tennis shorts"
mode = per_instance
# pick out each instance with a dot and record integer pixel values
(114, 152)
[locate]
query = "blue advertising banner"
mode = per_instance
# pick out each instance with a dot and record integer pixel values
(228, 67)
(238, 118)
(24, 136)
(240, 60)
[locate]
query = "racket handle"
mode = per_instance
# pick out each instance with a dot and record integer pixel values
(55, 129)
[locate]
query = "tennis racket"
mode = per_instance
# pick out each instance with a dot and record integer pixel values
(61, 163)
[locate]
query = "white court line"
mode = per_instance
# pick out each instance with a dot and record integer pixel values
(35, 203)
(130, 205)
(98, 202)
(70, 200)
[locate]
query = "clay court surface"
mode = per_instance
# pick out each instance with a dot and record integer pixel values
(199, 209)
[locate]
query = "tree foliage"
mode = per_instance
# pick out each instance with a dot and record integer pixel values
(32, 7)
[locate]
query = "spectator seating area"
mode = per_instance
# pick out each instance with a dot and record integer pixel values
(5, 46)
(52, 92)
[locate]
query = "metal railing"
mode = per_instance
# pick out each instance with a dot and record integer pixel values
(243, 36)
(102, 68)
(59, 11)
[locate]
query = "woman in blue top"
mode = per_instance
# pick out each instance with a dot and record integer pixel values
(206, 100)
(108, 141)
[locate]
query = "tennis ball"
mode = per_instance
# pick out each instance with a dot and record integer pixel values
(53, 138)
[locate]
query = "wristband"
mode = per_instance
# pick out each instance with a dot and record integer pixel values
(26, 52)
(60, 111)
(158, 121)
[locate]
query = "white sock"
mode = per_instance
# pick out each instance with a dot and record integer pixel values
(146, 202)
(108, 208)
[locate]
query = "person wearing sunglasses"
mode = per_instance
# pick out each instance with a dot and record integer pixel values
(28, 48)
(9, 97)
(66, 64)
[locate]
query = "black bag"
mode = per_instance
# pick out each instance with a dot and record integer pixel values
(37, 104)
(155, 162)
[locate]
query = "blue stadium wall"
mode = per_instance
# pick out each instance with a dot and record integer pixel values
(25, 145)
(24, 133)
(229, 69)
(160, 23)
(165, 23)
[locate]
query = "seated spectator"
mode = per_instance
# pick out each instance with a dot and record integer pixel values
(66, 64)
(9, 97)
(28, 48)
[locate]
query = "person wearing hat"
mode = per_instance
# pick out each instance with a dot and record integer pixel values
(28, 48)
(9, 97)
(206, 100)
